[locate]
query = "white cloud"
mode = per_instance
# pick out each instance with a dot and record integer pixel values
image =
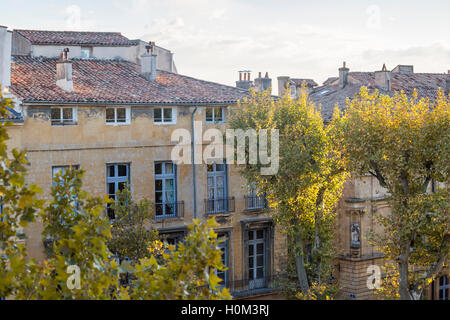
(74, 19)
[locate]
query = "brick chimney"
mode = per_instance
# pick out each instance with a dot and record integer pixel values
(5, 57)
(148, 63)
(244, 81)
(383, 79)
(282, 83)
(263, 84)
(343, 74)
(64, 71)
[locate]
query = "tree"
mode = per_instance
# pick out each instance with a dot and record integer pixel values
(80, 265)
(132, 232)
(18, 208)
(187, 271)
(405, 144)
(304, 192)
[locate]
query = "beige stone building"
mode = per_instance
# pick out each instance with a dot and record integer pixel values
(109, 105)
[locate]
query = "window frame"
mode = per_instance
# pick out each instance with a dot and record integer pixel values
(163, 176)
(213, 120)
(56, 123)
(115, 122)
(163, 121)
(116, 180)
(84, 49)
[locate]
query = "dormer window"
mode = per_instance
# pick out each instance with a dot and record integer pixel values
(86, 52)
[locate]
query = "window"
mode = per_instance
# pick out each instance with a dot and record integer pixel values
(165, 189)
(223, 274)
(255, 201)
(215, 115)
(61, 116)
(217, 188)
(117, 115)
(117, 178)
(257, 258)
(61, 170)
(293, 91)
(444, 287)
(164, 115)
(172, 238)
(86, 52)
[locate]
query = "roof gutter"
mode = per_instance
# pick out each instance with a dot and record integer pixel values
(100, 103)
(192, 161)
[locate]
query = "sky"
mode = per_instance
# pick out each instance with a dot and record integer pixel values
(214, 39)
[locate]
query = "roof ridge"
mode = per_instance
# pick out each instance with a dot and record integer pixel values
(73, 31)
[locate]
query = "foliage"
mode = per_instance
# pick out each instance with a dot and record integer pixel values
(405, 144)
(132, 233)
(187, 271)
(303, 193)
(18, 208)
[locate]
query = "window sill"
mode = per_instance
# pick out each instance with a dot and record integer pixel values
(61, 124)
(164, 123)
(114, 124)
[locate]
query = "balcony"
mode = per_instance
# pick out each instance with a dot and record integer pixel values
(255, 203)
(219, 205)
(169, 210)
(243, 288)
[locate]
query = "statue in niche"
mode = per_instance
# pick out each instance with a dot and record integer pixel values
(355, 230)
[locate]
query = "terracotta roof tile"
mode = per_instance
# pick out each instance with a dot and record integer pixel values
(113, 81)
(76, 38)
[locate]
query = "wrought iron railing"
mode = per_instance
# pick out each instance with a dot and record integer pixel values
(219, 205)
(255, 202)
(169, 210)
(246, 287)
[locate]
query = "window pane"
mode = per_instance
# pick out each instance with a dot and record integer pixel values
(121, 115)
(169, 184)
(56, 114)
(220, 167)
(158, 197)
(168, 114)
(111, 188)
(250, 273)
(158, 168)
(209, 114)
(260, 260)
(68, 114)
(250, 235)
(122, 185)
(110, 115)
(170, 197)
(158, 184)
(251, 249)
(260, 234)
(169, 168)
(111, 172)
(259, 248)
(159, 209)
(158, 115)
(122, 170)
(218, 114)
(259, 273)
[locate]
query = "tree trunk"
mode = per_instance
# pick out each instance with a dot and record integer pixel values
(300, 264)
(403, 289)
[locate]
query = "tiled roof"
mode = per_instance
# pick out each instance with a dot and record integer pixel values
(113, 81)
(299, 82)
(330, 94)
(76, 38)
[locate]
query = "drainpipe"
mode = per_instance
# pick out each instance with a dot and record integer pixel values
(192, 161)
